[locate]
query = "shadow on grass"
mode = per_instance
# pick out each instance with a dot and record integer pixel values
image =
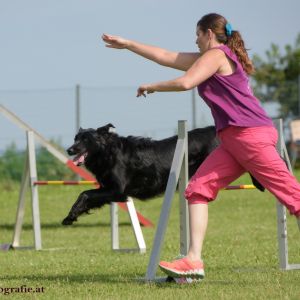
(132, 278)
(254, 269)
(72, 278)
(107, 278)
(165, 282)
(58, 225)
(245, 269)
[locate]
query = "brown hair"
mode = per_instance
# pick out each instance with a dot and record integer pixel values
(217, 24)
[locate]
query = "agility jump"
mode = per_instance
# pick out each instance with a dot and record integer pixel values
(178, 174)
(30, 176)
(62, 157)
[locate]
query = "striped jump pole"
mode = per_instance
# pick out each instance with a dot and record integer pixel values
(65, 182)
(240, 187)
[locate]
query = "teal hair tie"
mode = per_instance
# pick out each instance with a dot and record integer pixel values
(228, 29)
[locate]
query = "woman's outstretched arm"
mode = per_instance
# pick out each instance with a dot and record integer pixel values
(176, 60)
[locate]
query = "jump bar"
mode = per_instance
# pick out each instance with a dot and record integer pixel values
(240, 187)
(65, 182)
(90, 182)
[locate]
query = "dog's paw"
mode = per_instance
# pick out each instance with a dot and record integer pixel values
(67, 221)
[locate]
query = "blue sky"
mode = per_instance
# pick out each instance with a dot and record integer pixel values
(47, 47)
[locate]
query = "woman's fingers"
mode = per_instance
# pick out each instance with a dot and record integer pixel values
(141, 92)
(143, 89)
(114, 41)
(107, 39)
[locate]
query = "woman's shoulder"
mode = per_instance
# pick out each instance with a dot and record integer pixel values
(216, 54)
(220, 51)
(227, 51)
(227, 56)
(215, 51)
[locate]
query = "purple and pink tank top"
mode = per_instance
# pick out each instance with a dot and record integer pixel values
(231, 100)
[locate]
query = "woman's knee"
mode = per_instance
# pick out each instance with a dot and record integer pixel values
(195, 194)
(197, 199)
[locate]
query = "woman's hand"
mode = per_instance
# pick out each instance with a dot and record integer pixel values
(114, 41)
(143, 89)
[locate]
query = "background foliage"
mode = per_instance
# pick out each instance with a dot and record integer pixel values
(49, 168)
(277, 77)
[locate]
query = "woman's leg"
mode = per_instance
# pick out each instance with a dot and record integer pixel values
(258, 155)
(198, 215)
(216, 172)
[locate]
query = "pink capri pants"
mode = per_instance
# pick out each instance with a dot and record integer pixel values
(245, 149)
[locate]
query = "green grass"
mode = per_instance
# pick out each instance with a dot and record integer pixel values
(76, 262)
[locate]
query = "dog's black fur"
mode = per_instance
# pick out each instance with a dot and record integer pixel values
(132, 166)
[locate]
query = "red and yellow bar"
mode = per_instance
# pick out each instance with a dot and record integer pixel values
(65, 182)
(240, 187)
(91, 182)
(142, 219)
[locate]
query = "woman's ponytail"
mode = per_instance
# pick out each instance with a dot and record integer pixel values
(224, 34)
(236, 44)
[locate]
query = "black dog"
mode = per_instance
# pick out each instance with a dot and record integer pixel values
(131, 166)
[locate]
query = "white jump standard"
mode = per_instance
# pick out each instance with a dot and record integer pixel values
(29, 178)
(179, 172)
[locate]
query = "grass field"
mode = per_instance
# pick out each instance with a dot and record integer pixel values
(76, 262)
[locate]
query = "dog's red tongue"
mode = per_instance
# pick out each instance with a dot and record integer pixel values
(79, 160)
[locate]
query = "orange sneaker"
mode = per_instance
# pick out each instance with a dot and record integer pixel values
(183, 267)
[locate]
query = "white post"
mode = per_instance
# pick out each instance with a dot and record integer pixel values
(114, 217)
(21, 205)
(34, 192)
(136, 225)
(183, 181)
(281, 210)
(165, 211)
(281, 213)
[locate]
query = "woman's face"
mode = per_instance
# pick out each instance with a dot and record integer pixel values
(203, 40)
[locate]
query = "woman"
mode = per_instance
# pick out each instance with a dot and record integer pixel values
(248, 137)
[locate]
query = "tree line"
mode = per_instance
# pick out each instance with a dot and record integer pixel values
(12, 163)
(277, 78)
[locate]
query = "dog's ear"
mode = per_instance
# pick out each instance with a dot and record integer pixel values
(110, 128)
(80, 129)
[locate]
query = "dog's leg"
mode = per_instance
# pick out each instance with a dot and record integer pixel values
(91, 199)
